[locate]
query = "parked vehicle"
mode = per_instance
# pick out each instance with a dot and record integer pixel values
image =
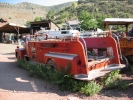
(90, 57)
(124, 39)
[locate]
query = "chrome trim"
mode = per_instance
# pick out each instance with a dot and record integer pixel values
(61, 55)
(85, 48)
(118, 40)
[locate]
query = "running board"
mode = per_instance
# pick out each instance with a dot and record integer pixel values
(99, 72)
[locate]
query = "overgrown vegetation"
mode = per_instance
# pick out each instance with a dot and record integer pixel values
(91, 88)
(114, 81)
(66, 81)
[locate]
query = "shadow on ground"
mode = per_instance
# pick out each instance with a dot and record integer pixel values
(12, 53)
(13, 78)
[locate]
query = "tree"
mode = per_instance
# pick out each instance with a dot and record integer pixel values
(37, 19)
(87, 20)
(50, 15)
(27, 23)
(130, 1)
(89, 23)
(74, 4)
(83, 15)
(80, 1)
(64, 15)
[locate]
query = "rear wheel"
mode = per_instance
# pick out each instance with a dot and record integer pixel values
(124, 61)
(51, 64)
(130, 59)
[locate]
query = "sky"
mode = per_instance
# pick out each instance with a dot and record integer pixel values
(40, 2)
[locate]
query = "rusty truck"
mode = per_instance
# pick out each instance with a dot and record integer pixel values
(90, 57)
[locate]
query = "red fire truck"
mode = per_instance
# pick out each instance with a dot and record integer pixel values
(90, 57)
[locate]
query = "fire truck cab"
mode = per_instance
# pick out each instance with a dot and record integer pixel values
(90, 57)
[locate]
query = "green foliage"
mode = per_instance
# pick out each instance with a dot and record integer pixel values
(84, 15)
(91, 88)
(61, 78)
(22, 64)
(64, 15)
(100, 19)
(27, 23)
(37, 19)
(74, 4)
(87, 20)
(65, 81)
(50, 14)
(80, 1)
(112, 78)
(98, 10)
(130, 1)
(114, 81)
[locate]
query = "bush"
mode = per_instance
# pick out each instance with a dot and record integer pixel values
(61, 78)
(91, 88)
(65, 81)
(112, 78)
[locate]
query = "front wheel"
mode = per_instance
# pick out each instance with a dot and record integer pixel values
(51, 64)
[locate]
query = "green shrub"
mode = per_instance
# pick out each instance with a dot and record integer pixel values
(62, 78)
(91, 88)
(22, 63)
(112, 79)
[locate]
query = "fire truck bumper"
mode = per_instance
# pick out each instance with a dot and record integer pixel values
(99, 72)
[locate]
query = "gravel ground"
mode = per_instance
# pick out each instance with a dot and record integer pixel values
(15, 84)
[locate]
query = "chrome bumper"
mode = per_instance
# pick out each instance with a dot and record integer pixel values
(99, 72)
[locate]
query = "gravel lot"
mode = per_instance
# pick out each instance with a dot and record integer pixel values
(16, 84)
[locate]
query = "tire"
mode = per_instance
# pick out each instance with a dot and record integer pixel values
(130, 59)
(124, 61)
(17, 57)
(52, 64)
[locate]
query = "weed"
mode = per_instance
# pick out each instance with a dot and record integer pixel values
(22, 63)
(91, 88)
(112, 78)
(62, 78)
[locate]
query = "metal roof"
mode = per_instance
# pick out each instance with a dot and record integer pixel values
(72, 22)
(14, 28)
(118, 21)
(44, 22)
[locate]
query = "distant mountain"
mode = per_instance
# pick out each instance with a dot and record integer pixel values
(24, 11)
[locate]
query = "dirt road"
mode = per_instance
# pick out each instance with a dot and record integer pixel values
(16, 84)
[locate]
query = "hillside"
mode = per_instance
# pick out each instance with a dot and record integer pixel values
(22, 12)
(98, 9)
